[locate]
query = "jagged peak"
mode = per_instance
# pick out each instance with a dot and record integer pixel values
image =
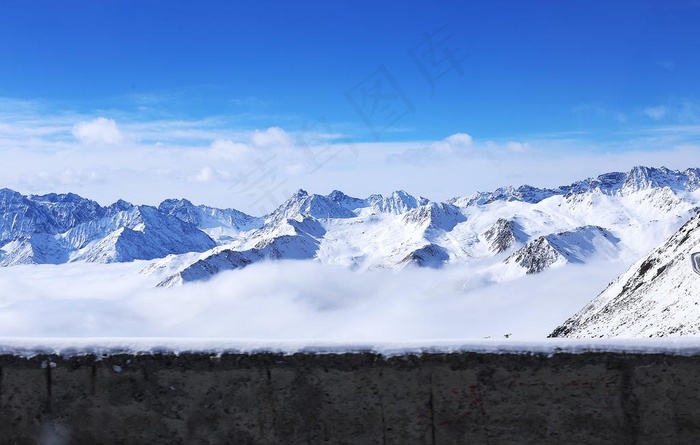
(299, 194)
(430, 255)
(58, 197)
(613, 183)
(503, 234)
(6, 192)
(435, 215)
(337, 195)
(171, 202)
(401, 193)
(301, 205)
(397, 203)
(121, 205)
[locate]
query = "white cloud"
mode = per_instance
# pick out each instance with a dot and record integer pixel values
(98, 131)
(271, 137)
(453, 143)
(656, 112)
(228, 149)
(306, 300)
(42, 152)
(518, 147)
(209, 174)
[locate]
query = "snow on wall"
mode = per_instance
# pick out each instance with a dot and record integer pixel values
(69, 347)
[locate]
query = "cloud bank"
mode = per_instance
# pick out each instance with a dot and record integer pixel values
(305, 300)
(208, 160)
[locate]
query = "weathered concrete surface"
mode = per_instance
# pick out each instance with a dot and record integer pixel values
(351, 399)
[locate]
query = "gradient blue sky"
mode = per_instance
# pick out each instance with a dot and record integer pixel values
(604, 76)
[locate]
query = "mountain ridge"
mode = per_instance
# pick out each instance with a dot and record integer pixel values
(523, 230)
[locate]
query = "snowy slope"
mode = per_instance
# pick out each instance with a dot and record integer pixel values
(658, 296)
(223, 225)
(302, 205)
(397, 203)
(53, 229)
(297, 240)
(142, 233)
(35, 248)
(19, 217)
(574, 246)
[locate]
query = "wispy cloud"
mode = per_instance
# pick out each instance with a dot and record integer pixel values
(212, 161)
(656, 113)
(666, 64)
(601, 111)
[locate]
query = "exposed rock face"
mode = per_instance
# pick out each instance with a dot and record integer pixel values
(503, 235)
(561, 248)
(299, 241)
(430, 255)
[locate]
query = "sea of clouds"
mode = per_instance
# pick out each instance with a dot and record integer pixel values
(294, 300)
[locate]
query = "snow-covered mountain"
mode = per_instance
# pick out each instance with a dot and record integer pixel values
(614, 184)
(397, 203)
(302, 205)
(511, 232)
(54, 229)
(658, 296)
(294, 240)
(574, 246)
(220, 224)
(140, 232)
(502, 235)
(21, 216)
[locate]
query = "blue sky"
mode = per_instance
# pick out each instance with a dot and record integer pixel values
(603, 76)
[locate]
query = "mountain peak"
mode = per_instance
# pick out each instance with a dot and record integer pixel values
(301, 205)
(58, 198)
(556, 249)
(300, 194)
(397, 203)
(172, 202)
(6, 193)
(503, 234)
(337, 195)
(614, 183)
(436, 216)
(120, 205)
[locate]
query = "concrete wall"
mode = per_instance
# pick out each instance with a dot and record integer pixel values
(351, 399)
